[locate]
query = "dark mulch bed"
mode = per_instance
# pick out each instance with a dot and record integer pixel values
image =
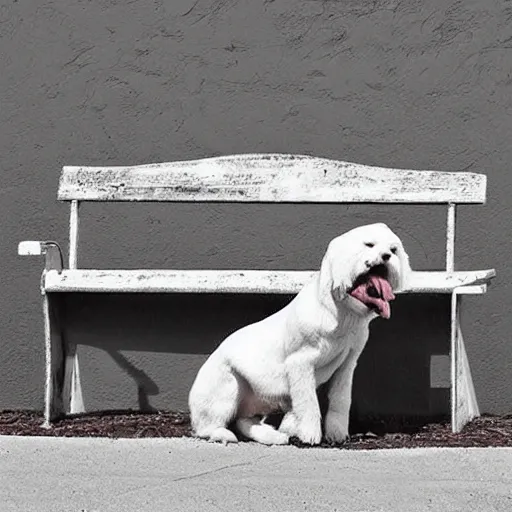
(370, 434)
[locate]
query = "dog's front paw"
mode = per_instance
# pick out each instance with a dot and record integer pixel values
(310, 431)
(289, 424)
(336, 427)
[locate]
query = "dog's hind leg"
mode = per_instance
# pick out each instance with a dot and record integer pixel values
(213, 402)
(255, 429)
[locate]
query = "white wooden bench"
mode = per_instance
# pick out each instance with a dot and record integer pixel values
(259, 178)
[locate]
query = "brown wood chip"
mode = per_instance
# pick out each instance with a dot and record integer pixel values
(372, 434)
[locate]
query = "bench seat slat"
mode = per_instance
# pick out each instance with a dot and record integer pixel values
(238, 281)
(269, 178)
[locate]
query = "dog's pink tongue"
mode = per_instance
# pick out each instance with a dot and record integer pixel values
(383, 291)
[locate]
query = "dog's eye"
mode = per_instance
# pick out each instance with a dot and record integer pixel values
(369, 244)
(393, 250)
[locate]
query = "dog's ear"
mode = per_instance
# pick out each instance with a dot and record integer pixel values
(405, 267)
(332, 280)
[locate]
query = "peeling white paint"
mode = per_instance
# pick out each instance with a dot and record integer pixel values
(236, 281)
(269, 178)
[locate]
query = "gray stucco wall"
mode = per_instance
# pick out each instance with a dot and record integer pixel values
(398, 84)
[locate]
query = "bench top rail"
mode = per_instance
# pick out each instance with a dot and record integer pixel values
(269, 178)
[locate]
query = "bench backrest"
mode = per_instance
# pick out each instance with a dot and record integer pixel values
(269, 178)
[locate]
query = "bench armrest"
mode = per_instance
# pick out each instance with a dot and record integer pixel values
(51, 251)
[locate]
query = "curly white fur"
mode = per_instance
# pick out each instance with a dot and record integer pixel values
(279, 362)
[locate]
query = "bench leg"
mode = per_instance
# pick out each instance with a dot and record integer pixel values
(463, 398)
(54, 352)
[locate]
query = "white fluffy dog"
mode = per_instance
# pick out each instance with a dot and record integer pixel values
(278, 363)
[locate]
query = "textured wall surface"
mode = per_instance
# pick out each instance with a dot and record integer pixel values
(391, 83)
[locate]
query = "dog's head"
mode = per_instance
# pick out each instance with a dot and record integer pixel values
(354, 257)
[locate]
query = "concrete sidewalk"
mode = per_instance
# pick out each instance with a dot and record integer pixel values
(73, 475)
